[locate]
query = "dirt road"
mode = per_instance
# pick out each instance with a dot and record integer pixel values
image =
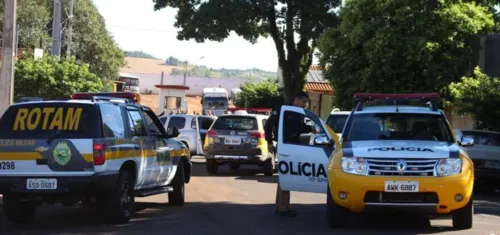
(242, 203)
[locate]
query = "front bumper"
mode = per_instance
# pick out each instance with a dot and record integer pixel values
(67, 186)
(436, 194)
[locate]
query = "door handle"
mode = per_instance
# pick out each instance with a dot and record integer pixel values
(284, 155)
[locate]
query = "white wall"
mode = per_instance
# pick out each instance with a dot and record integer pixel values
(196, 84)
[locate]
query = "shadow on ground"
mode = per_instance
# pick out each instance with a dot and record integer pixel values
(217, 218)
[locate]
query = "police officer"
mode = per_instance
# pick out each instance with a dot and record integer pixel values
(271, 131)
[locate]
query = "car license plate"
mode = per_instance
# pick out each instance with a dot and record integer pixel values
(402, 186)
(41, 184)
(230, 157)
(492, 164)
(232, 141)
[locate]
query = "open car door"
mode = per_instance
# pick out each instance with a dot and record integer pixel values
(303, 162)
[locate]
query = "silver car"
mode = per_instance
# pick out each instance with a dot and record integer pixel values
(485, 153)
(192, 129)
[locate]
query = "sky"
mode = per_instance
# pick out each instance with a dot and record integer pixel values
(137, 27)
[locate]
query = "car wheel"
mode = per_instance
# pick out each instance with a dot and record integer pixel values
(120, 203)
(234, 166)
(269, 165)
(212, 166)
(19, 211)
(336, 216)
(176, 197)
(463, 217)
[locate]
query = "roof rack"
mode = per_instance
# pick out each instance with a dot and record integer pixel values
(397, 99)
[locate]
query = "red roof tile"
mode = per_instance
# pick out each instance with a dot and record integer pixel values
(319, 87)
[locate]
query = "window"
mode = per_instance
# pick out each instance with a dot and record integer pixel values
(264, 122)
(299, 129)
(337, 122)
(177, 122)
(152, 127)
(397, 126)
(38, 121)
(215, 102)
(163, 120)
(112, 121)
(205, 123)
(236, 123)
(136, 123)
(483, 138)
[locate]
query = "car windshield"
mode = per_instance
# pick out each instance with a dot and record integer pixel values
(236, 123)
(397, 126)
(215, 103)
(337, 122)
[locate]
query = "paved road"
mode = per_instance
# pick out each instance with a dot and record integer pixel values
(242, 203)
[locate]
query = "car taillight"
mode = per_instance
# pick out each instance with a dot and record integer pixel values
(212, 133)
(99, 154)
(257, 135)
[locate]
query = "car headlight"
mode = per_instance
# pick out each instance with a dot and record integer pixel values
(449, 166)
(354, 165)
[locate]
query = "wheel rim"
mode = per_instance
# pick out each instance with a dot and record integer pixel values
(126, 198)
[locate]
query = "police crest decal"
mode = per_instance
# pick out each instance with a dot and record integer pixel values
(62, 153)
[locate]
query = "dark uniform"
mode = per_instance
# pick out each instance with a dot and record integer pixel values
(294, 127)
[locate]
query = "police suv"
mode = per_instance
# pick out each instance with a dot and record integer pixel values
(391, 157)
(102, 150)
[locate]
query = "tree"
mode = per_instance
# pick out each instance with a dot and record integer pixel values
(91, 42)
(51, 77)
(479, 96)
(283, 20)
(173, 61)
(259, 95)
(402, 46)
(139, 54)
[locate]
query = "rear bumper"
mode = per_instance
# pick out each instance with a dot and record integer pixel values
(242, 159)
(67, 186)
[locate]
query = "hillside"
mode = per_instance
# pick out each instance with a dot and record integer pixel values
(156, 66)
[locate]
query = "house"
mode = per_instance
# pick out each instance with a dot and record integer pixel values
(320, 91)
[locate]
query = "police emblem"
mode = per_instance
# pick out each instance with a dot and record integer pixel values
(62, 153)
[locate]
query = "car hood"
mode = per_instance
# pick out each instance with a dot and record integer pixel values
(400, 149)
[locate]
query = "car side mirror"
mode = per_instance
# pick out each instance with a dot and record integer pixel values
(172, 132)
(467, 141)
(322, 140)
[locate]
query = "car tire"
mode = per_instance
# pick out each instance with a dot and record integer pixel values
(336, 216)
(119, 204)
(463, 218)
(19, 211)
(269, 165)
(212, 166)
(177, 197)
(234, 166)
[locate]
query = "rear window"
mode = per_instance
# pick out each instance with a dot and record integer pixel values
(52, 119)
(337, 122)
(177, 122)
(236, 123)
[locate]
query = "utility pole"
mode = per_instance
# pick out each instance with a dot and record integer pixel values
(56, 29)
(8, 62)
(185, 72)
(70, 28)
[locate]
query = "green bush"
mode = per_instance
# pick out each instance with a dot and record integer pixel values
(51, 77)
(259, 95)
(478, 96)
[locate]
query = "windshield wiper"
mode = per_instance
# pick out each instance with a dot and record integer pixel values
(56, 134)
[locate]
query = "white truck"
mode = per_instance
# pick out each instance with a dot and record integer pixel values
(215, 100)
